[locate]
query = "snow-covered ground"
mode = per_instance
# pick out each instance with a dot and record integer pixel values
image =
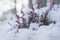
(51, 32)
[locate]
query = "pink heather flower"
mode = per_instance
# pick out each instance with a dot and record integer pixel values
(39, 5)
(24, 20)
(41, 18)
(51, 5)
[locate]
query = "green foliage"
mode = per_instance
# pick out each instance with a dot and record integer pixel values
(45, 22)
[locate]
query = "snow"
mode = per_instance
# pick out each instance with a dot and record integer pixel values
(20, 5)
(27, 34)
(53, 15)
(55, 33)
(38, 12)
(27, 10)
(8, 28)
(34, 25)
(43, 33)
